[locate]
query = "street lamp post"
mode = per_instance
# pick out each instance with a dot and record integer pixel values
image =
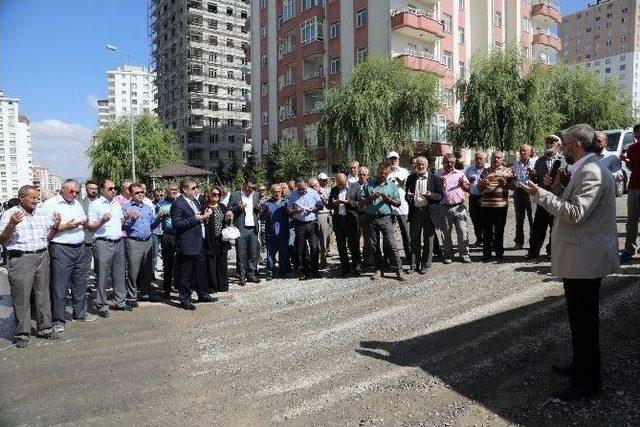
(113, 48)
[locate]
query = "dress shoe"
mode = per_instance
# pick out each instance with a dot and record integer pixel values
(423, 270)
(253, 279)
(241, 282)
(48, 335)
(562, 370)
(187, 305)
(132, 304)
(166, 295)
(103, 313)
(376, 275)
(125, 307)
(207, 298)
(400, 276)
(21, 341)
(571, 394)
(144, 297)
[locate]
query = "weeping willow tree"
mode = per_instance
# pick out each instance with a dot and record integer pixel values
(155, 147)
(379, 109)
(506, 103)
(497, 104)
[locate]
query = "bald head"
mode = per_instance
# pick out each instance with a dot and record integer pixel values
(341, 180)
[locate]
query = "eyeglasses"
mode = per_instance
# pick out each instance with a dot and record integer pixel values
(138, 192)
(110, 188)
(193, 188)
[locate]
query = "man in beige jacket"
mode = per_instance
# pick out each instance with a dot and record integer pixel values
(585, 249)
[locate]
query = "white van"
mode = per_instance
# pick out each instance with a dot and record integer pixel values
(618, 142)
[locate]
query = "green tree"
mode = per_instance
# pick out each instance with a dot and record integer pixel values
(580, 95)
(379, 108)
(290, 160)
(255, 169)
(495, 103)
(155, 147)
(238, 180)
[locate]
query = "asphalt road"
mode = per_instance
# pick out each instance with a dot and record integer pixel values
(467, 344)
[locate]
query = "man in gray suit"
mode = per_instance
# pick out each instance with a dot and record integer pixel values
(585, 249)
(245, 205)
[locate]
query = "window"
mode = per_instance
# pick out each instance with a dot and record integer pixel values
(461, 69)
(623, 67)
(263, 31)
(607, 70)
(361, 54)
(311, 30)
(288, 9)
(264, 89)
(446, 22)
(335, 29)
(265, 118)
(232, 140)
(263, 60)
(497, 19)
(525, 24)
(264, 4)
(361, 18)
(461, 5)
(308, 4)
(334, 65)
(447, 59)
(460, 35)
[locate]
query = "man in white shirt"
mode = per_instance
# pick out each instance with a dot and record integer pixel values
(521, 200)
(353, 172)
(400, 215)
(397, 171)
(105, 220)
(67, 252)
(324, 219)
(345, 224)
(245, 206)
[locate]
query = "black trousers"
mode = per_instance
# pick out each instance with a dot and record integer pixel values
(475, 212)
(494, 220)
(346, 229)
(583, 299)
(307, 234)
(168, 254)
(218, 266)
(541, 222)
(422, 234)
(522, 207)
(192, 268)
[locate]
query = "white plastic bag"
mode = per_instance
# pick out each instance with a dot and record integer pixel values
(231, 233)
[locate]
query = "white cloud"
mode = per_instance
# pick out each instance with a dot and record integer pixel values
(92, 101)
(61, 147)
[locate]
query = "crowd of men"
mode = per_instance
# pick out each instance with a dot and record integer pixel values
(53, 245)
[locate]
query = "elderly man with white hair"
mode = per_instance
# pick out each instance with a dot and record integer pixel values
(345, 225)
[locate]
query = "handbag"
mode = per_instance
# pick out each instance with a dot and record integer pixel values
(230, 233)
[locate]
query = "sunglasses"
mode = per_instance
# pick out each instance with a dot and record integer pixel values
(193, 188)
(215, 194)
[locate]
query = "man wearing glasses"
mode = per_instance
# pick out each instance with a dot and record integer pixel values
(67, 253)
(188, 225)
(138, 222)
(105, 221)
(245, 205)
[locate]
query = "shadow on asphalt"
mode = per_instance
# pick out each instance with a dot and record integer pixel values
(502, 361)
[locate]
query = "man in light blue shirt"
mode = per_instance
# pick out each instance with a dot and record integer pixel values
(68, 256)
(475, 194)
(139, 220)
(607, 159)
(302, 205)
(105, 220)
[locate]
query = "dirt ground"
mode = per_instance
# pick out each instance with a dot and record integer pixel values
(464, 345)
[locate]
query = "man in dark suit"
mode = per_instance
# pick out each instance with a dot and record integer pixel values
(345, 225)
(188, 225)
(422, 190)
(245, 205)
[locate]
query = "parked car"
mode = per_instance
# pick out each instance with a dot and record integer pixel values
(618, 142)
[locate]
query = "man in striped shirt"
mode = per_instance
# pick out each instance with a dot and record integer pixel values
(494, 183)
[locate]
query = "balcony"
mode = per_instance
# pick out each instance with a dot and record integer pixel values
(547, 39)
(419, 24)
(421, 61)
(546, 12)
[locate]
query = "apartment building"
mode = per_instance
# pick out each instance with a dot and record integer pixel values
(605, 37)
(131, 91)
(301, 47)
(202, 70)
(15, 148)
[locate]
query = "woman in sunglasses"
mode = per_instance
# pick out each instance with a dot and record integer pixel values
(216, 248)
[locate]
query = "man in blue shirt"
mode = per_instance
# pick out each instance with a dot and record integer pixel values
(378, 196)
(303, 204)
(473, 173)
(276, 222)
(168, 242)
(138, 222)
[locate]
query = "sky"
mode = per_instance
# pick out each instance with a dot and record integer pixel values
(53, 57)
